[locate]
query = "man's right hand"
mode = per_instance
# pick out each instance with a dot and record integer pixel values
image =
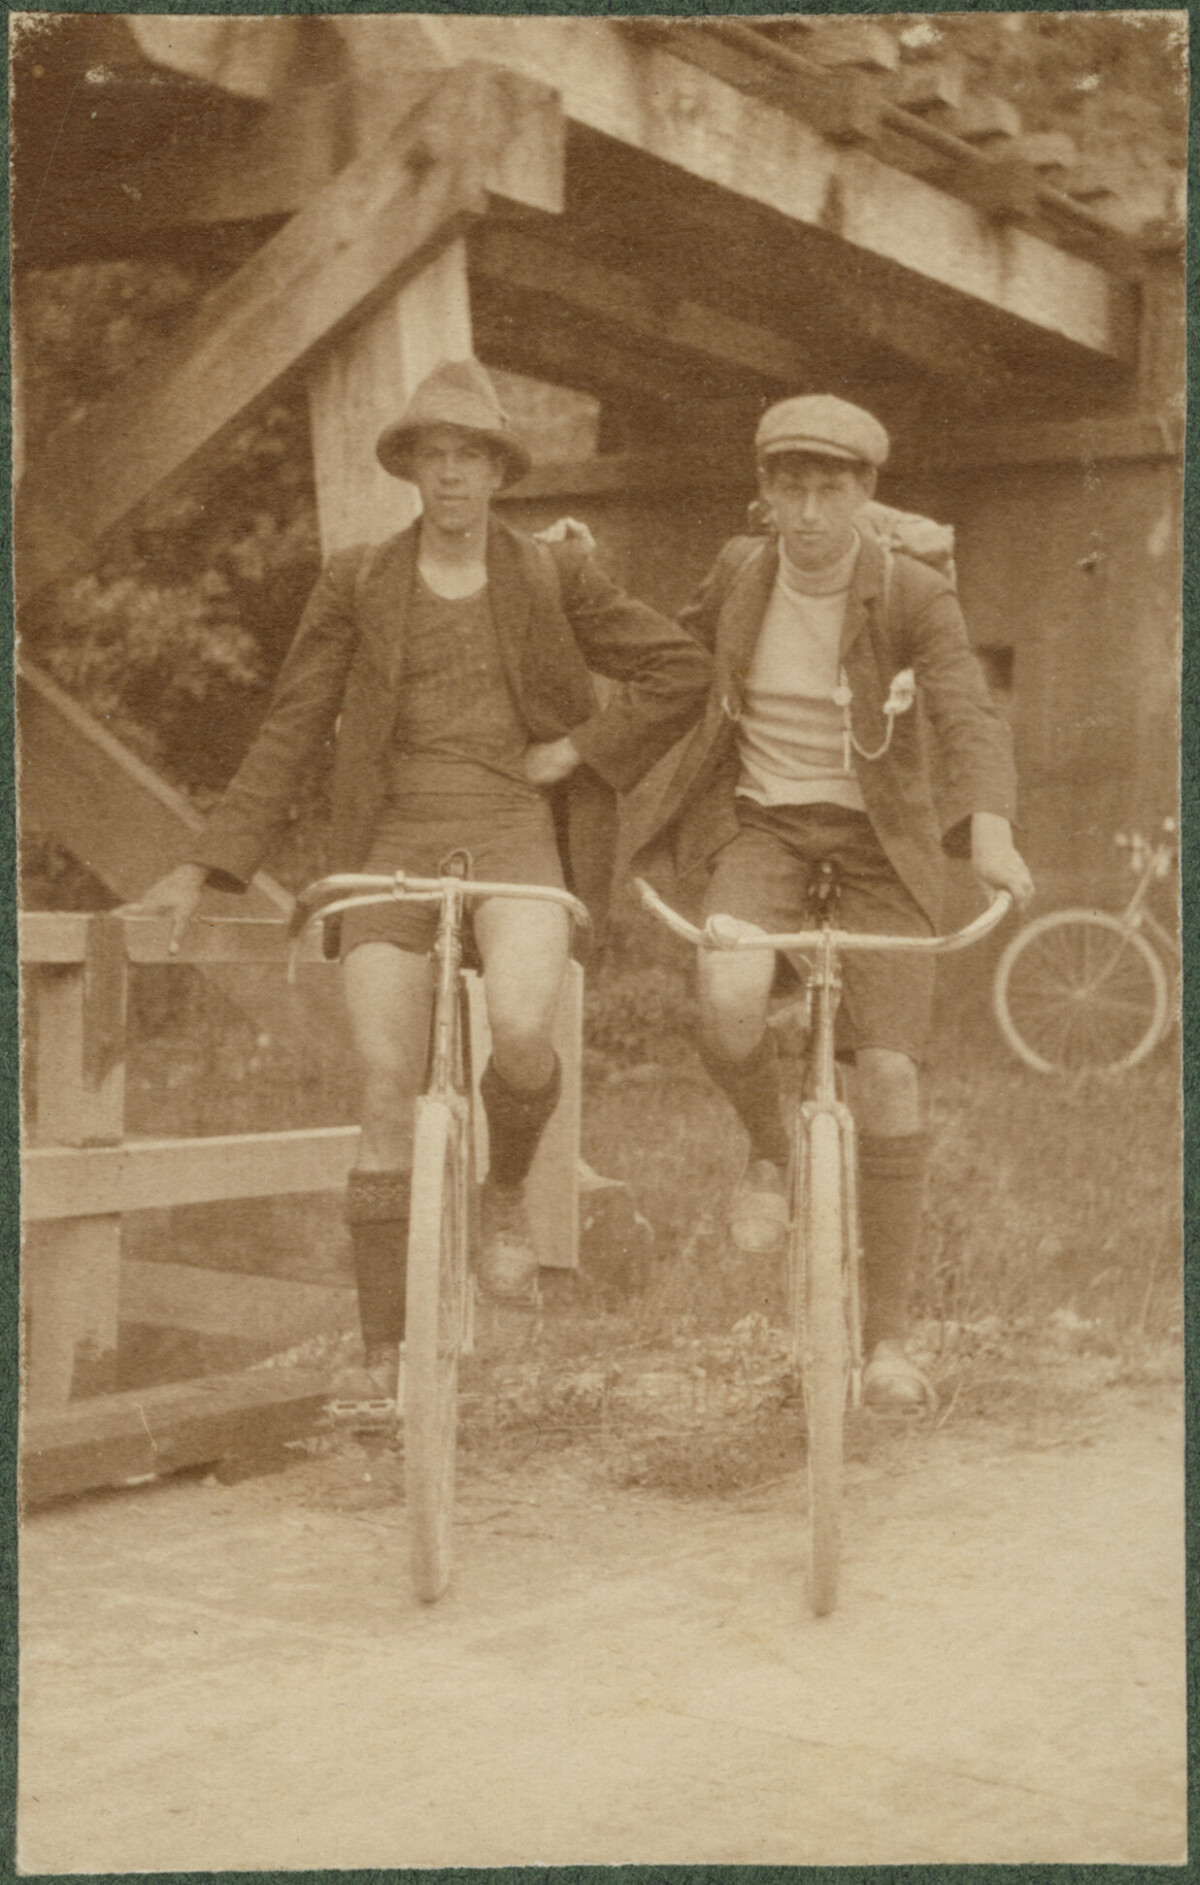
(176, 895)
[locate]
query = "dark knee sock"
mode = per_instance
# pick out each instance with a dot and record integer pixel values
(516, 1122)
(377, 1214)
(752, 1087)
(891, 1202)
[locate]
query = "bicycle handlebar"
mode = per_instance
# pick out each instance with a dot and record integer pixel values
(726, 932)
(330, 896)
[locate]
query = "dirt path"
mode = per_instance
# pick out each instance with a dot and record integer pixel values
(236, 1677)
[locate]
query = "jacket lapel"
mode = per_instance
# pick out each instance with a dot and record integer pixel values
(382, 593)
(865, 587)
(742, 615)
(511, 594)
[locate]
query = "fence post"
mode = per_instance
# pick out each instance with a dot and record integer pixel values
(72, 1277)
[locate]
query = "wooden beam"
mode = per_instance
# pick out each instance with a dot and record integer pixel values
(527, 262)
(149, 1432)
(383, 216)
(275, 1312)
(128, 827)
(660, 103)
(59, 936)
(70, 1295)
(1073, 441)
(364, 382)
(114, 813)
(148, 1174)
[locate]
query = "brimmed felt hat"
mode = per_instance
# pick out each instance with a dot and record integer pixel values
(825, 427)
(459, 393)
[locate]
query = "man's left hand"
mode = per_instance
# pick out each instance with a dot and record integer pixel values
(995, 858)
(547, 763)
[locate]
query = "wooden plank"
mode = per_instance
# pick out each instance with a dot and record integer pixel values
(1074, 441)
(552, 1189)
(652, 98)
(70, 1295)
(56, 936)
(129, 828)
(383, 215)
(146, 1174)
(154, 1431)
(264, 1309)
(113, 812)
(526, 261)
(364, 382)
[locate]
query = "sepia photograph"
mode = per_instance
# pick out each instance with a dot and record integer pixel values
(598, 619)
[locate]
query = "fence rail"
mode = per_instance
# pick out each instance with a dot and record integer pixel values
(80, 1172)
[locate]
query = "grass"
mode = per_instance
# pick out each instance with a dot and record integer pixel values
(1053, 1228)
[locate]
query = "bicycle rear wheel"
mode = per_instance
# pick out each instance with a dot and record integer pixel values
(1079, 991)
(435, 1326)
(819, 1220)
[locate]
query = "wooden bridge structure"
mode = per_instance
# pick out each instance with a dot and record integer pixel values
(684, 219)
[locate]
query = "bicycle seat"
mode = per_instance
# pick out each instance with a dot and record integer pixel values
(824, 891)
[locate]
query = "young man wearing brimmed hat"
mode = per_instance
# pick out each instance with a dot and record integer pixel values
(453, 662)
(790, 766)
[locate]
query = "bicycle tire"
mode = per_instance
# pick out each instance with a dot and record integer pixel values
(434, 1331)
(826, 1358)
(1080, 991)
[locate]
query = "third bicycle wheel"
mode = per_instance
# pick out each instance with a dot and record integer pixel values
(1079, 991)
(435, 1324)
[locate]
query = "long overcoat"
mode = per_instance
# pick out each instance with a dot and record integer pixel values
(949, 756)
(558, 618)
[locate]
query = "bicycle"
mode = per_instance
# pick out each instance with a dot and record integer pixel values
(823, 1245)
(439, 1321)
(1086, 991)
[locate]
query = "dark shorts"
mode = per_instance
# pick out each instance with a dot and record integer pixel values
(762, 877)
(508, 843)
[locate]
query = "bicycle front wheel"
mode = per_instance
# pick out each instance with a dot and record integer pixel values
(826, 1355)
(1079, 991)
(434, 1331)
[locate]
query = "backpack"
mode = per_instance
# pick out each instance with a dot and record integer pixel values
(907, 531)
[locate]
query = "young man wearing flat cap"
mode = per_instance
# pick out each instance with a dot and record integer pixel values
(453, 663)
(790, 766)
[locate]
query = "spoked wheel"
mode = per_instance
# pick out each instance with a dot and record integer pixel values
(819, 1220)
(434, 1334)
(1079, 991)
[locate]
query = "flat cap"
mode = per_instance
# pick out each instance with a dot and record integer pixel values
(823, 425)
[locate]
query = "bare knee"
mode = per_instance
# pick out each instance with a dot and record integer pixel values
(887, 1097)
(734, 995)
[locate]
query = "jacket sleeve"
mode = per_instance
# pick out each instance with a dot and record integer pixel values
(663, 673)
(974, 743)
(700, 616)
(306, 702)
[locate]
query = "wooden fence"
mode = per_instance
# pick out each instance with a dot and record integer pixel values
(80, 1173)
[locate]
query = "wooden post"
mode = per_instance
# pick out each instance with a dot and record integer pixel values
(553, 1187)
(72, 1277)
(363, 383)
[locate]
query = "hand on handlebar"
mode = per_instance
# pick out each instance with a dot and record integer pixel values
(995, 859)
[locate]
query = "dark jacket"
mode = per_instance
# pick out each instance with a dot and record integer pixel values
(950, 756)
(557, 616)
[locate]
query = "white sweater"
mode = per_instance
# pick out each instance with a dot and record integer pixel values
(791, 730)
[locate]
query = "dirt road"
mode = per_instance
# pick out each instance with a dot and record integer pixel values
(236, 1677)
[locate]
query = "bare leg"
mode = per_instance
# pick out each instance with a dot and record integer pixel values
(524, 950)
(388, 997)
(739, 1053)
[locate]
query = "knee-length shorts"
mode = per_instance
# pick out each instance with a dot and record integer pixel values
(508, 843)
(763, 876)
